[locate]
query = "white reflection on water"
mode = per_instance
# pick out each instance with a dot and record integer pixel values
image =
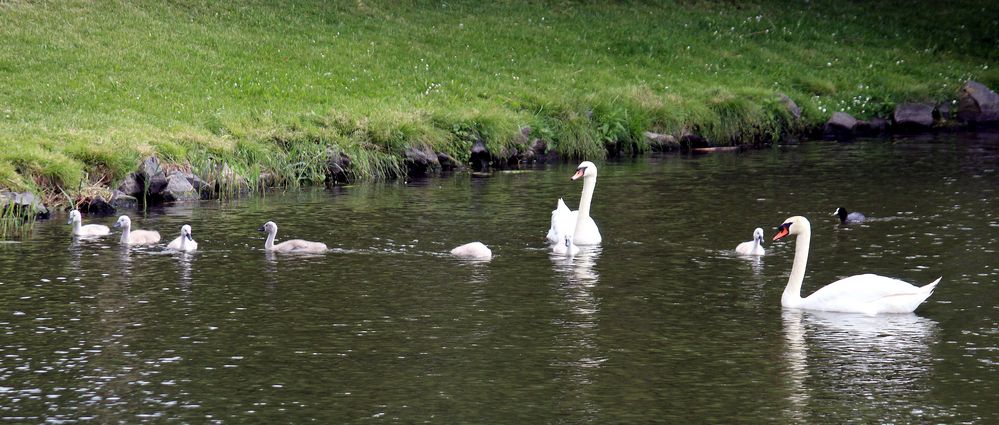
(578, 269)
(184, 258)
(576, 349)
(872, 360)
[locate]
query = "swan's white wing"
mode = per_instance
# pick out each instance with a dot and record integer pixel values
(299, 245)
(140, 237)
(563, 222)
(867, 293)
(586, 232)
(94, 230)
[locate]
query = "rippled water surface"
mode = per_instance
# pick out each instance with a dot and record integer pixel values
(661, 323)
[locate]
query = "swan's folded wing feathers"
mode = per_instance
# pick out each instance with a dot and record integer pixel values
(859, 289)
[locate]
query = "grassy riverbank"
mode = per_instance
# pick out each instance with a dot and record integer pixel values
(87, 88)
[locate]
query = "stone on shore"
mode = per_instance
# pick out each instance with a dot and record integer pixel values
(131, 185)
(151, 176)
(421, 160)
(338, 167)
(178, 189)
(659, 142)
(23, 204)
(913, 117)
(446, 161)
(977, 104)
(872, 127)
(97, 205)
(480, 156)
(841, 125)
(790, 105)
(123, 200)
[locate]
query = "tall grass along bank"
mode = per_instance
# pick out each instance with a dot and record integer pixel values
(296, 91)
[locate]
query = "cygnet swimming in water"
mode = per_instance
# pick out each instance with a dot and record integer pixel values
(135, 237)
(753, 247)
(185, 242)
(290, 246)
(566, 248)
(86, 230)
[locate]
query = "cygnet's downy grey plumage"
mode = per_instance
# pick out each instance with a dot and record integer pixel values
(185, 242)
(846, 217)
(290, 246)
(473, 251)
(135, 237)
(79, 229)
(753, 247)
(566, 248)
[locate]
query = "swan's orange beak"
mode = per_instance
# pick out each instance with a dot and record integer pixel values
(782, 231)
(579, 173)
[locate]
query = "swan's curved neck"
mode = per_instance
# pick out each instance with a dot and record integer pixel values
(589, 183)
(792, 292)
(77, 224)
(270, 240)
(183, 242)
(126, 230)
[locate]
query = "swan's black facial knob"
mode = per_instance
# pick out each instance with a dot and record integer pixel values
(783, 230)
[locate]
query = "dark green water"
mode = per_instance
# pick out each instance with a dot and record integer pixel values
(662, 323)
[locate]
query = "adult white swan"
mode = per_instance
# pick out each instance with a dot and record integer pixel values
(293, 245)
(577, 224)
(135, 237)
(185, 242)
(753, 247)
(86, 230)
(865, 293)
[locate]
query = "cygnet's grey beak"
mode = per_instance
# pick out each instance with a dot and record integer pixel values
(117, 224)
(70, 221)
(189, 237)
(261, 229)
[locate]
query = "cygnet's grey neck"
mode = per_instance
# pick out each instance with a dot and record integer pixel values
(126, 230)
(271, 233)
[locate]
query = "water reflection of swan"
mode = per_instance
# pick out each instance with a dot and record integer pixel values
(885, 356)
(578, 354)
(185, 268)
(579, 267)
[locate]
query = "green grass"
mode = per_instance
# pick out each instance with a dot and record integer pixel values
(87, 88)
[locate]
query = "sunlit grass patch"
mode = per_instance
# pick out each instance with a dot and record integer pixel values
(285, 89)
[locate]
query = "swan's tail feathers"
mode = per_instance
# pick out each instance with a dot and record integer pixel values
(560, 211)
(928, 289)
(921, 295)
